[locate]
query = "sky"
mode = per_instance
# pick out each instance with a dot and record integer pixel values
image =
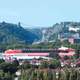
(35, 13)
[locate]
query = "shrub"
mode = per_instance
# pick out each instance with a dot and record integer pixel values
(6, 76)
(25, 66)
(66, 58)
(44, 64)
(8, 67)
(54, 64)
(15, 62)
(1, 61)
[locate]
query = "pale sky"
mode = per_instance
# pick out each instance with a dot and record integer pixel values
(39, 12)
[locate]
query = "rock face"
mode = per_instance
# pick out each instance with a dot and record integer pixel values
(60, 30)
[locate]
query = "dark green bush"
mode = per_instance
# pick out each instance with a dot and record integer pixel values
(15, 62)
(54, 64)
(6, 76)
(25, 66)
(44, 64)
(1, 61)
(8, 67)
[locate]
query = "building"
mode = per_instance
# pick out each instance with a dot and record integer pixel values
(71, 40)
(64, 51)
(19, 54)
(74, 40)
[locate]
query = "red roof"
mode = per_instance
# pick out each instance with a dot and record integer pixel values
(12, 51)
(19, 52)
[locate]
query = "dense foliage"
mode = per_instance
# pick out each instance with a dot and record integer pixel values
(8, 69)
(47, 74)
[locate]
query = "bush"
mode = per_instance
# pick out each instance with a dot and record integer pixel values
(66, 58)
(15, 62)
(25, 66)
(47, 74)
(6, 76)
(54, 64)
(8, 67)
(1, 61)
(44, 64)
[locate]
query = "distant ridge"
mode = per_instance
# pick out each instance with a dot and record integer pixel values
(15, 33)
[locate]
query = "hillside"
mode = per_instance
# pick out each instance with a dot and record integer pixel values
(13, 33)
(37, 32)
(61, 30)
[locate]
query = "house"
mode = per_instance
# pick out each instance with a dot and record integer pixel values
(74, 40)
(64, 51)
